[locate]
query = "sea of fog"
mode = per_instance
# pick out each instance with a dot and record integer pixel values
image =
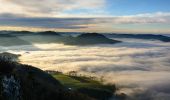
(140, 68)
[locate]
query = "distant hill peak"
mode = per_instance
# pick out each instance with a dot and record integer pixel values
(97, 35)
(48, 33)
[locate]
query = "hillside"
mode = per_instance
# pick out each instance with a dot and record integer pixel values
(24, 82)
(88, 85)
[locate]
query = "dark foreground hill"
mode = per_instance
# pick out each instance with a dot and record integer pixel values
(23, 82)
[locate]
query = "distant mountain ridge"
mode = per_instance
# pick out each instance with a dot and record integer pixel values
(14, 38)
(26, 38)
(141, 36)
(90, 38)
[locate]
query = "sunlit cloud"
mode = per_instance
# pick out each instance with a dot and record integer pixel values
(49, 7)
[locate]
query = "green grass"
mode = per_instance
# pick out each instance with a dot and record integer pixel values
(74, 82)
(87, 85)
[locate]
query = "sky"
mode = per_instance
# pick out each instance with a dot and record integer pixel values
(120, 16)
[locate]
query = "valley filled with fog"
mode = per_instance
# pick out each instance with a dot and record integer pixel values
(140, 68)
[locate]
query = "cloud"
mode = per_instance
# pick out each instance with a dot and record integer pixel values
(49, 7)
(84, 23)
(61, 23)
(141, 72)
(77, 16)
(158, 17)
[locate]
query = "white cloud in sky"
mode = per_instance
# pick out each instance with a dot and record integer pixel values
(48, 7)
(158, 17)
(94, 18)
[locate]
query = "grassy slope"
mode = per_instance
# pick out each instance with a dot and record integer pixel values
(76, 82)
(87, 86)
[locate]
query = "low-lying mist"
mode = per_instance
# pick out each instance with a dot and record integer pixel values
(140, 68)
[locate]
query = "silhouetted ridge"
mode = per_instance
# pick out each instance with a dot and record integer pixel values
(23, 32)
(11, 40)
(142, 36)
(26, 38)
(48, 33)
(91, 35)
(90, 38)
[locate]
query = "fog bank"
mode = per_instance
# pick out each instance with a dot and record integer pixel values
(140, 68)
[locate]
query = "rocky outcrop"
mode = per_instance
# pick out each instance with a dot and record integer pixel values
(10, 88)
